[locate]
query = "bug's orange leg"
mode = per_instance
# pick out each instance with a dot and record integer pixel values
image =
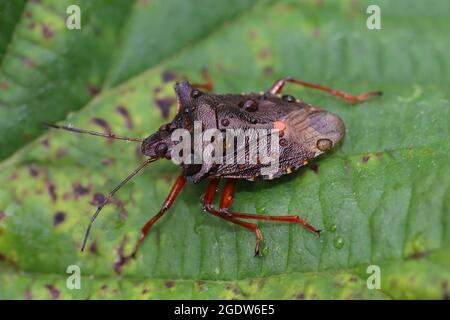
(227, 199)
(207, 205)
(278, 86)
(176, 188)
(208, 85)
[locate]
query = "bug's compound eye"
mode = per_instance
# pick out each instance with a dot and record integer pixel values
(195, 93)
(324, 144)
(161, 149)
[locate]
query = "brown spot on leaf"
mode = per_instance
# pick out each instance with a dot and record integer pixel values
(264, 53)
(60, 152)
(47, 32)
(104, 125)
(124, 113)
(104, 287)
(164, 105)
(156, 90)
(237, 291)
(268, 71)
(31, 25)
(252, 34)
(34, 172)
(122, 259)
(168, 76)
(93, 247)
(417, 255)
(365, 158)
(201, 286)
(28, 14)
(2, 215)
(261, 284)
(51, 190)
(7, 260)
(121, 206)
(53, 291)
(445, 292)
(59, 218)
(314, 167)
(108, 161)
(4, 85)
(299, 296)
(79, 190)
(145, 291)
(27, 294)
(169, 284)
(378, 156)
(46, 143)
(98, 199)
(92, 89)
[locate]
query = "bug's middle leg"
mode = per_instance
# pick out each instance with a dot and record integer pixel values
(207, 205)
(227, 199)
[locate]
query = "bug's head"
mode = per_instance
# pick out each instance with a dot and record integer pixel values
(159, 144)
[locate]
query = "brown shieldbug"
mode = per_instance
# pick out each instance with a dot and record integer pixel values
(305, 132)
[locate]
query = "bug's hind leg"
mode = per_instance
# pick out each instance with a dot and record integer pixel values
(176, 188)
(278, 86)
(227, 199)
(208, 85)
(207, 205)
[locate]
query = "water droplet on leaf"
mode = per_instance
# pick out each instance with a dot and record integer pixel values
(338, 242)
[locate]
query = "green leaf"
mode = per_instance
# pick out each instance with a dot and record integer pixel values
(47, 70)
(382, 197)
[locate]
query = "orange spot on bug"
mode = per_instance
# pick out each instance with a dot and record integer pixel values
(279, 125)
(305, 162)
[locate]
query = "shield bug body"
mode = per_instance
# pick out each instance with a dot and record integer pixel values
(303, 132)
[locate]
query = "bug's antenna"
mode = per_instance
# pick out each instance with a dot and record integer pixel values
(93, 133)
(110, 195)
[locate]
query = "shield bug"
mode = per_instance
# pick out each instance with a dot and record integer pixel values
(303, 132)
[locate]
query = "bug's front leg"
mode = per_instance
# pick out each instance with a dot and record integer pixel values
(207, 205)
(227, 199)
(176, 188)
(278, 86)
